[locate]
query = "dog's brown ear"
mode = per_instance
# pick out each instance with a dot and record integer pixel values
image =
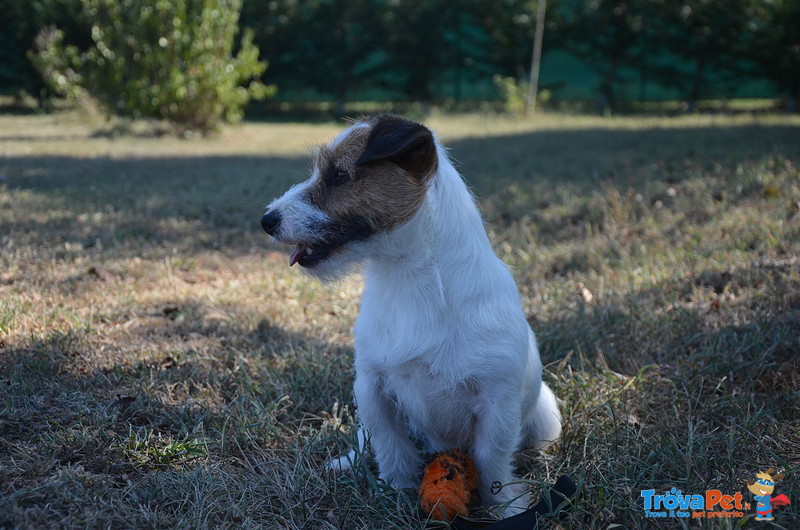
(751, 482)
(407, 144)
(776, 478)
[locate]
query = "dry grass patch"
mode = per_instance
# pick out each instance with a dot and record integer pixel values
(161, 366)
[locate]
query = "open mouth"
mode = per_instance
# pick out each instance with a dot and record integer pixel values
(308, 255)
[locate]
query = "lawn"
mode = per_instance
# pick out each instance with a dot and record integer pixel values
(161, 366)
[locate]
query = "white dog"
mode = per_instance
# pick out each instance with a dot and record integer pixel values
(444, 355)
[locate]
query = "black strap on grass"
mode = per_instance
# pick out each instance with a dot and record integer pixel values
(560, 493)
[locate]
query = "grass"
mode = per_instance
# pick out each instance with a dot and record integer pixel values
(162, 367)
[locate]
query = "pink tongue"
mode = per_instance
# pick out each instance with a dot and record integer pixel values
(297, 253)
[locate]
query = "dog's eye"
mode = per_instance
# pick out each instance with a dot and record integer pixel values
(338, 177)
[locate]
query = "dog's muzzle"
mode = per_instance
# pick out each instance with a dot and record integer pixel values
(308, 254)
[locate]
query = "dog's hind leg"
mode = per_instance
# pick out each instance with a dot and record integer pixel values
(543, 424)
(497, 436)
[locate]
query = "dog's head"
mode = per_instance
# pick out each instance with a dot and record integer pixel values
(370, 180)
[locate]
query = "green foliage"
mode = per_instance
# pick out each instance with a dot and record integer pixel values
(331, 46)
(169, 60)
(515, 93)
(774, 45)
(22, 20)
(512, 91)
(700, 42)
(147, 448)
(605, 33)
(697, 48)
(406, 50)
(12, 52)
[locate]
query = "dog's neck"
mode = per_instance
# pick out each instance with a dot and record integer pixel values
(443, 243)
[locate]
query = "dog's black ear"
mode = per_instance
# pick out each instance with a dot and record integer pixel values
(407, 144)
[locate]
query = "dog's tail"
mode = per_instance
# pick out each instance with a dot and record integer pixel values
(345, 463)
(543, 425)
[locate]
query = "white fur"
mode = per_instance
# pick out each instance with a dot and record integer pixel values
(301, 220)
(444, 354)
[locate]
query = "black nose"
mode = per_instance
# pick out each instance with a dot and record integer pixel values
(270, 222)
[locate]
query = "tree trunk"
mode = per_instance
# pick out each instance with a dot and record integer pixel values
(697, 86)
(533, 88)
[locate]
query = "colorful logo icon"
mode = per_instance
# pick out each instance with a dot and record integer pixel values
(762, 488)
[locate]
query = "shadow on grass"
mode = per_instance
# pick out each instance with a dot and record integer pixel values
(730, 322)
(689, 384)
(86, 427)
(633, 157)
(175, 373)
(252, 393)
(192, 203)
(209, 202)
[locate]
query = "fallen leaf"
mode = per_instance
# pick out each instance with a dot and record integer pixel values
(585, 293)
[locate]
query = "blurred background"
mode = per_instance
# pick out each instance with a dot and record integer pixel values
(141, 57)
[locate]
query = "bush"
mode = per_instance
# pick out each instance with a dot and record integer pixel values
(515, 94)
(166, 59)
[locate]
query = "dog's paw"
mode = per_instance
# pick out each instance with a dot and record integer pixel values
(516, 507)
(341, 465)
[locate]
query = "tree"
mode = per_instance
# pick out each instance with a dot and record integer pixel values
(606, 34)
(166, 59)
(404, 47)
(16, 34)
(22, 21)
(774, 46)
(699, 40)
(330, 46)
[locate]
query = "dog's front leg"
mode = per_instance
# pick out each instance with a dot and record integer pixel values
(398, 460)
(497, 436)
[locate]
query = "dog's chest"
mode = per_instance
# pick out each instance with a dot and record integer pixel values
(435, 407)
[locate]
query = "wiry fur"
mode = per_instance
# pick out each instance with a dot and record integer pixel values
(444, 354)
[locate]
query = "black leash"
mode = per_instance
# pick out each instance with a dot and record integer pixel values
(560, 493)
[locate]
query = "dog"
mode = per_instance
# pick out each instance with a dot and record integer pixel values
(444, 356)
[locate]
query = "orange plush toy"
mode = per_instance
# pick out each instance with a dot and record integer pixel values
(449, 485)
